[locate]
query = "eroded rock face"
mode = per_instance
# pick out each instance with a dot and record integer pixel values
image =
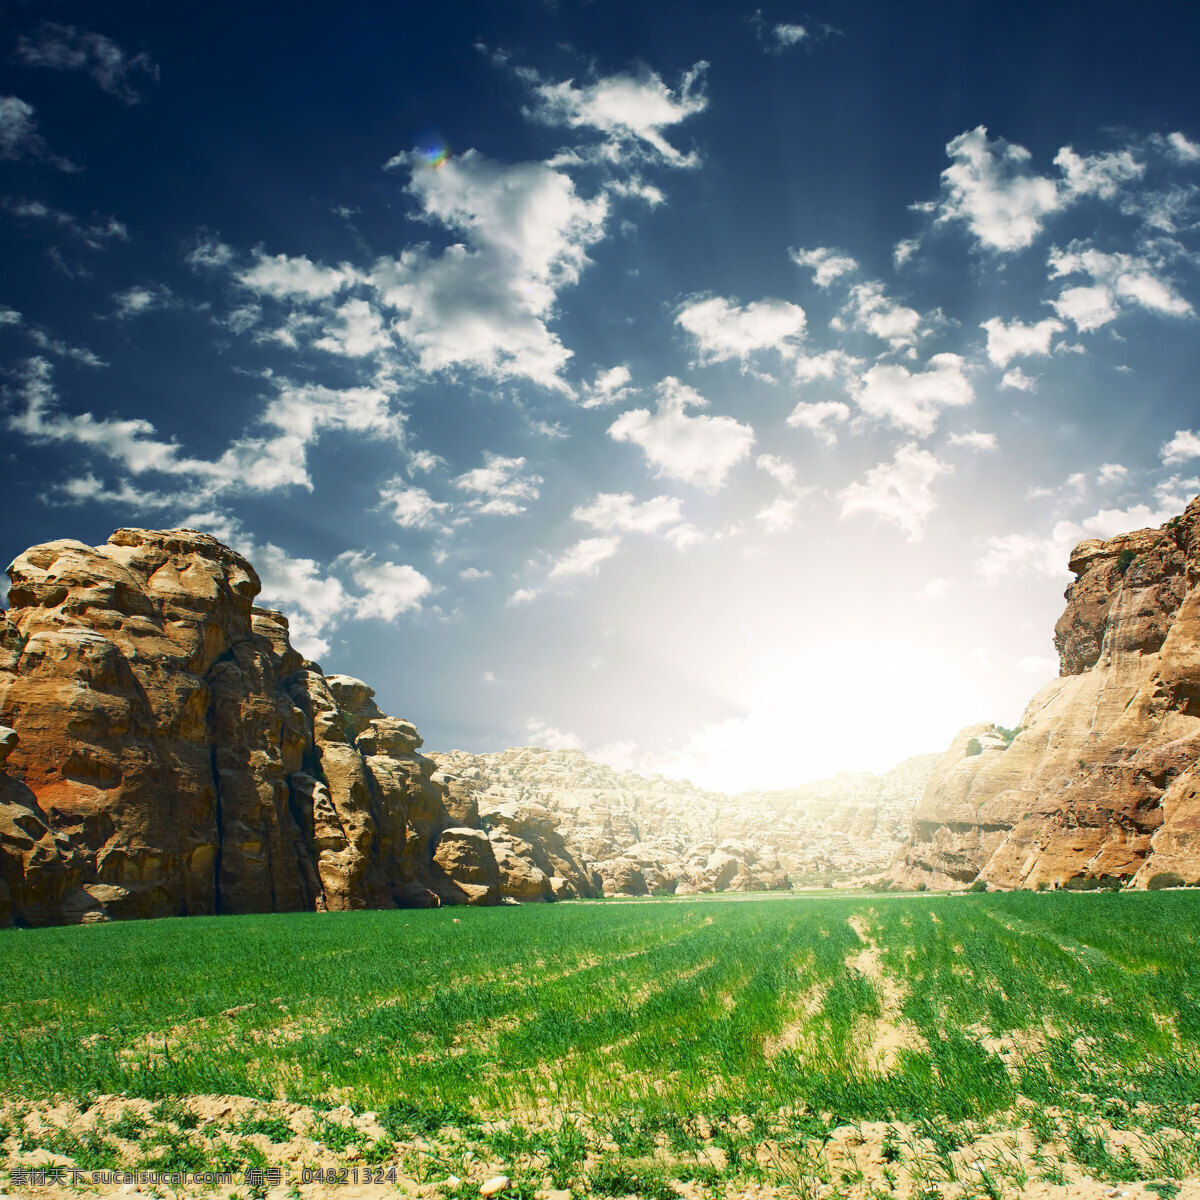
(176, 755)
(1102, 779)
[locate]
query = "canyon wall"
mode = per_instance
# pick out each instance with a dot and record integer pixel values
(165, 751)
(1102, 783)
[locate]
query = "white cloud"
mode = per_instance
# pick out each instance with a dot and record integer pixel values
(724, 330)
(1087, 307)
(899, 491)
(499, 485)
(470, 574)
(829, 364)
(313, 601)
(1117, 277)
(19, 134)
(1183, 446)
(1111, 473)
(1098, 174)
(631, 112)
(871, 309)
(914, 400)
(294, 418)
(1176, 493)
(779, 469)
(789, 35)
(421, 462)
(283, 277)
(974, 440)
(585, 557)
(209, 251)
(779, 516)
(935, 589)
(700, 450)
(484, 304)
(354, 329)
(990, 188)
(1019, 554)
(1182, 149)
(609, 387)
(138, 300)
(68, 48)
(904, 250)
(412, 507)
(389, 588)
(819, 417)
(523, 596)
(539, 733)
(618, 511)
(1017, 340)
(1017, 380)
(827, 264)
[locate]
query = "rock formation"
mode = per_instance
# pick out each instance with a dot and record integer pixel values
(174, 755)
(1102, 783)
(649, 835)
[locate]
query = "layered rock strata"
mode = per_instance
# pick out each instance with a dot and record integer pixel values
(1102, 783)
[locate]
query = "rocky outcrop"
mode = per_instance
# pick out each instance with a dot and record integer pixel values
(176, 755)
(646, 835)
(1101, 783)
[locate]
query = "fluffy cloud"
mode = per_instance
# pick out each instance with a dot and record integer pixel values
(484, 303)
(872, 310)
(724, 330)
(412, 507)
(700, 450)
(1183, 446)
(899, 491)
(539, 733)
(499, 486)
(585, 557)
(819, 418)
(1182, 150)
(990, 189)
(284, 277)
(914, 400)
(1112, 473)
(1118, 278)
(780, 514)
(68, 48)
(389, 589)
(354, 329)
(1098, 174)
(1017, 340)
(826, 264)
(609, 387)
(618, 511)
(631, 112)
(1017, 380)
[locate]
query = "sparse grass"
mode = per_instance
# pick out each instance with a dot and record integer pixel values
(668, 1030)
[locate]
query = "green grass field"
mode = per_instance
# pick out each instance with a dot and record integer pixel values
(579, 1039)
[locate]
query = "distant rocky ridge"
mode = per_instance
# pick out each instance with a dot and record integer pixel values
(647, 834)
(165, 751)
(1102, 784)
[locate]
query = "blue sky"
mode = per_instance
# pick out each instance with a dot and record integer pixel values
(719, 390)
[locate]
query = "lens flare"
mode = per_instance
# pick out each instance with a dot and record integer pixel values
(432, 149)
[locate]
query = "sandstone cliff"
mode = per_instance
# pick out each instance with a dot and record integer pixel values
(173, 754)
(1102, 783)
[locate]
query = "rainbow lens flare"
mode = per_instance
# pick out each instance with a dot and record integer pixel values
(433, 150)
